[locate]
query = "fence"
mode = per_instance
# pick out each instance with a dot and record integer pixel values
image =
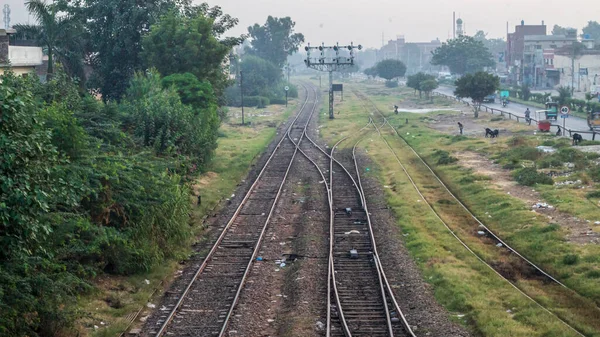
(514, 116)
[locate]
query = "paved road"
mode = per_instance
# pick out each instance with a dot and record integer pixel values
(572, 122)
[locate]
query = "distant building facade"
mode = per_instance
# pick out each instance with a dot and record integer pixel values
(19, 59)
(515, 48)
(416, 55)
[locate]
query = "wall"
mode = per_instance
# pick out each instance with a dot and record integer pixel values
(590, 61)
(25, 56)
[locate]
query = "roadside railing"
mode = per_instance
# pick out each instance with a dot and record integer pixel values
(514, 116)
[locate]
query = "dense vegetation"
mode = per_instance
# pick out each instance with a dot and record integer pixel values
(90, 186)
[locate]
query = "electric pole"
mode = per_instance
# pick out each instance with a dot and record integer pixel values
(242, 93)
(330, 64)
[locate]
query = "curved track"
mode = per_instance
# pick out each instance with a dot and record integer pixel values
(386, 122)
(205, 306)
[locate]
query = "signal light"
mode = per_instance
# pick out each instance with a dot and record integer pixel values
(359, 47)
(321, 48)
(335, 48)
(306, 48)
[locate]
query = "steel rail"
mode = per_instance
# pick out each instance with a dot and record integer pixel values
(382, 275)
(229, 223)
(438, 216)
(258, 244)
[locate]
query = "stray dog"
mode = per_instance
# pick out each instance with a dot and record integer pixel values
(577, 138)
(490, 133)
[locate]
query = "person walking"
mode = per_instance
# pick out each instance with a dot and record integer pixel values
(528, 116)
(460, 127)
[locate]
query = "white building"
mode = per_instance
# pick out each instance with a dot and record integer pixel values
(21, 60)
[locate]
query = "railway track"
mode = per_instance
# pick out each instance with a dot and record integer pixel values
(372, 108)
(205, 305)
(360, 299)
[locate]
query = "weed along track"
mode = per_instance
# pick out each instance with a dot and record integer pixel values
(577, 314)
(205, 305)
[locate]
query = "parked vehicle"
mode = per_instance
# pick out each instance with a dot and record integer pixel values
(490, 98)
(594, 121)
(551, 110)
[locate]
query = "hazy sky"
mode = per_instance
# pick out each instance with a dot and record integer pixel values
(364, 21)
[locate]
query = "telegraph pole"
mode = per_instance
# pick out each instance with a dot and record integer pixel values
(242, 93)
(330, 64)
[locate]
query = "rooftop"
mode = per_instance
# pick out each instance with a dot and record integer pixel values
(549, 38)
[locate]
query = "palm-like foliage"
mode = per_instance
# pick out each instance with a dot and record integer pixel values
(59, 34)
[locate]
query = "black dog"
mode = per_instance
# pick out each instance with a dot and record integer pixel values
(577, 138)
(490, 133)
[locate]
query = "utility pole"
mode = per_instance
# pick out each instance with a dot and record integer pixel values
(330, 64)
(242, 93)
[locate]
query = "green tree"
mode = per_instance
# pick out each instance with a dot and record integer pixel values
(428, 86)
(274, 40)
(260, 76)
(414, 81)
(188, 44)
(564, 93)
(495, 46)
(476, 86)
(593, 29)
(60, 34)
(371, 72)
(115, 29)
(390, 69)
(559, 30)
(463, 55)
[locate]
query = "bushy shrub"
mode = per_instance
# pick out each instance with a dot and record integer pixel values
(529, 176)
(391, 84)
(444, 157)
(570, 259)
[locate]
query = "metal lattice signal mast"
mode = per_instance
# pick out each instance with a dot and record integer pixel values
(6, 12)
(330, 64)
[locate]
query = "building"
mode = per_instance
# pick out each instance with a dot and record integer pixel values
(416, 55)
(538, 59)
(581, 72)
(515, 48)
(19, 59)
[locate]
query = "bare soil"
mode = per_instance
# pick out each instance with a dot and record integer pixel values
(580, 231)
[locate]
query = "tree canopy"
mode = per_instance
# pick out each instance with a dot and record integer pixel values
(593, 29)
(180, 44)
(476, 86)
(274, 40)
(390, 69)
(495, 46)
(559, 30)
(428, 86)
(463, 55)
(59, 32)
(415, 81)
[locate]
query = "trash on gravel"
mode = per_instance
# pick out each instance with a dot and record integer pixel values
(546, 149)
(481, 232)
(354, 231)
(282, 265)
(568, 182)
(542, 205)
(259, 258)
(232, 196)
(151, 306)
(597, 223)
(386, 186)
(322, 181)
(263, 214)
(102, 323)
(353, 254)
(320, 325)
(270, 320)
(95, 327)
(147, 281)
(499, 245)
(164, 308)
